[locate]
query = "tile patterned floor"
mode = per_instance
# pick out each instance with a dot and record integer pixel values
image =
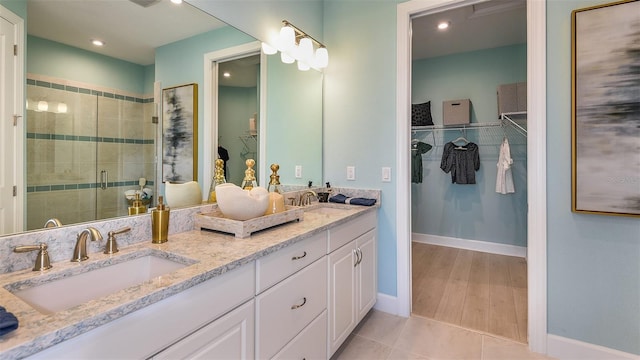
(384, 336)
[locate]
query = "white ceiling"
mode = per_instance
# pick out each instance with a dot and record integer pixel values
(473, 27)
(131, 32)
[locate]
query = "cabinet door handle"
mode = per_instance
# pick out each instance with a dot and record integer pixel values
(304, 301)
(355, 252)
(299, 257)
(359, 254)
(104, 180)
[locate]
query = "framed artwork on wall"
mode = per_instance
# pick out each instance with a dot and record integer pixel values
(180, 133)
(606, 109)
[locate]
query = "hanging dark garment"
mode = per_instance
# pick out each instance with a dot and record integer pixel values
(224, 155)
(417, 150)
(461, 161)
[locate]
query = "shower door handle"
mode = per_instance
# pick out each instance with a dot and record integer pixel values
(104, 179)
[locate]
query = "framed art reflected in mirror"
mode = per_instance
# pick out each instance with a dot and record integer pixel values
(180, 133)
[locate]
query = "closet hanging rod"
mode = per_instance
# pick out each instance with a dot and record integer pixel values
(457, 127)
(519, 128)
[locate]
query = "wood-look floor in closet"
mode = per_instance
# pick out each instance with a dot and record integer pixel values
(475, 290)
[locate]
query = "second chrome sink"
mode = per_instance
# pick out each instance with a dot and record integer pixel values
(64, 290)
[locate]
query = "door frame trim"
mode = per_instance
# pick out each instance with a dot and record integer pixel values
(536, 161)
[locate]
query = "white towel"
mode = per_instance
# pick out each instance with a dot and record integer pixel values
(504, 180)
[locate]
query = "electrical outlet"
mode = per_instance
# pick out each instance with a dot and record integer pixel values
(298, 171)
(351, 172)
(386, 174)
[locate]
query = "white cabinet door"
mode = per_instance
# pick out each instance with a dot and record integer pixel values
(342, 295)
(366, 271)
(230, 337)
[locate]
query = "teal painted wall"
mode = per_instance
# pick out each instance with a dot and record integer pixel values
(51, 58)
(593, 260)
(474, 212)
(359, 111)
(235, 106)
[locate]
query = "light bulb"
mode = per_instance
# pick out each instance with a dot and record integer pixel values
(305, 51)
(322, 58)
(43, 106)
(268, 49)
(62, 108)
(303, 66)
(286, 58)
(287, 38)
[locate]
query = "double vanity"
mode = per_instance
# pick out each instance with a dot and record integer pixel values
(292, 291)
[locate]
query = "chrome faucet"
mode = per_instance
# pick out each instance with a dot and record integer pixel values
(53, 222)
(80, 251)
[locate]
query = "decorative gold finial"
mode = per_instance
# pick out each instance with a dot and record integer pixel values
(249, 181)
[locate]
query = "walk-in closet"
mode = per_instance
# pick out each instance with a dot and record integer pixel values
(469, 167)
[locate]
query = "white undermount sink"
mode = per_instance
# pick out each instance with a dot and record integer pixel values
(63, 292)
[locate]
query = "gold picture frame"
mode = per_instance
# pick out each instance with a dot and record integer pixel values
(605, 109)
(180, 133)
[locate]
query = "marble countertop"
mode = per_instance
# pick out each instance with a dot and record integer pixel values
(213, 253)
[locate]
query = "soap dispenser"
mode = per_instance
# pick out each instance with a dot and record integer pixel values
(137, 207)
(218, 178)
(276, 199)
(160, 222)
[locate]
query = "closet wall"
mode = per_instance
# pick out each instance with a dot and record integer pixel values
(470, 212)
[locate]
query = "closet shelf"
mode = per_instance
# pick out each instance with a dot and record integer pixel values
(506, 119)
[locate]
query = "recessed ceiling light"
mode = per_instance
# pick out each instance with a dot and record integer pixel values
(176, 1)
(443, 25)
(226, 74)
(97, 42)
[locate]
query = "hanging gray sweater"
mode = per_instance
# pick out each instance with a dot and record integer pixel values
(461, 161)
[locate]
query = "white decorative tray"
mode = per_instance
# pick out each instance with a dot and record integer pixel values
(215, 220)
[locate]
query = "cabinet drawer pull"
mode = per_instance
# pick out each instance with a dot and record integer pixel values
(359, 253)
(299, 257)
(304, 301)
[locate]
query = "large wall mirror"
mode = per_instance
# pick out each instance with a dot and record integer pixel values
(89, 131)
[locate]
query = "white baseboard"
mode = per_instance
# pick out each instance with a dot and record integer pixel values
(476, 245)
(568, 349)
(387, 303)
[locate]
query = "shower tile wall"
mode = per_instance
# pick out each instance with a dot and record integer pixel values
(63, 180)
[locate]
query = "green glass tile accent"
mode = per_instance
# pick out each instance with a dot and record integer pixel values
(57, 187)
(31, 136)
(43, 136)
(119, 97)
(30, 189)
(108, 95)
(57, 86)
(84, 186)
(138, 141)
(84, 138)
(96, 139)
(71, 89)
(95, 92)
(107, 139)
(43, 188)
(71, 186)
(84, 91)
(130, 141)
(45, 84)
(59, 137)
(95, 185)
(31, 82)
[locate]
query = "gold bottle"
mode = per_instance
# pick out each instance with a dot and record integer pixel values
(218, 178)
(249, 181)
(137, 207)
(160, 223)
(276, 199)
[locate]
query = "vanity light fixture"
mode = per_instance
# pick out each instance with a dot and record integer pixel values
(296, 45)
(43, 105)
(178, 2)
(226, 74)
(62, 108)
(97, 42)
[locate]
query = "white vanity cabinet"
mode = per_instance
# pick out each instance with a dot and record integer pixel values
(352, 276)
(288, 314)
(148, 331)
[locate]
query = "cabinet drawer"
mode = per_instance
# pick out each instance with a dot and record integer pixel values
(287, 308)
(342, 234)
(273, 268)
(311, 343)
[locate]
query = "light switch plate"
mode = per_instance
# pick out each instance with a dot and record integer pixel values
(386, 174)
(298, 171)
(351, 172)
